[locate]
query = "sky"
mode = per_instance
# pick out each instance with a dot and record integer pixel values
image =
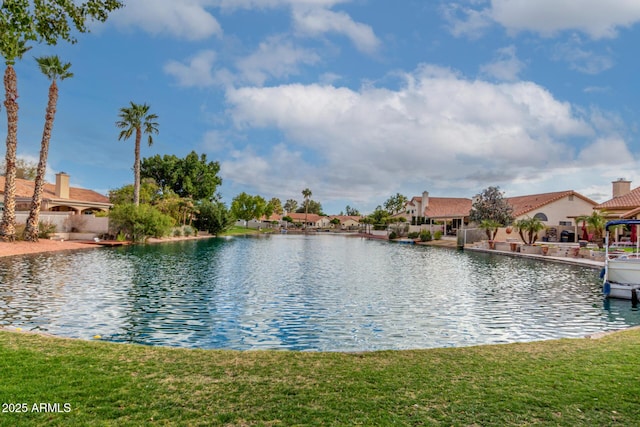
(356, 100)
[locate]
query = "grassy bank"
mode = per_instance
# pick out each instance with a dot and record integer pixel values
(237, 231)
(566, 382)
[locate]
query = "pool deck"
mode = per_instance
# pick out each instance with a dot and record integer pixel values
(558, 259)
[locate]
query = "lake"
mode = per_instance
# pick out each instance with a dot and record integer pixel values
(297, 292)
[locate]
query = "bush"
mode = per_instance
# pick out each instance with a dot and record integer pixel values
(213, 217)
(437, 235)
(46, 229)
(393, 235)
(413, 235)
(188, 230)
(425, 236)
(139, 222)
(177, 232)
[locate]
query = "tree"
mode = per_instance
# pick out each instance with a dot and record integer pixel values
(490, 227)
(213, 216)
(24, 169)
(352, 211)
(596, 222)
(306, 193)
(276, 205)
(134, 119)
(379, 218)
(22, 21)
(193, 177)
(490, 205)
(311, 206)
(528, 229)
(247, 207)
(395, 204)
(149, 193)
(290, 206)
(54, 70)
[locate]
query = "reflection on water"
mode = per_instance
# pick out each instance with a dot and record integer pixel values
(302, 293)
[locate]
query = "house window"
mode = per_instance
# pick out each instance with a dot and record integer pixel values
(566, 223)
(541, 216)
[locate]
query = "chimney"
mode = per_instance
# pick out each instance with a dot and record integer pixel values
(425, 201)
(621, 187)
(62, 185)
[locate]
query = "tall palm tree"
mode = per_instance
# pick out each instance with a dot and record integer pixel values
(12, 47)
(54, 70)
(306, 193)
(135, 118)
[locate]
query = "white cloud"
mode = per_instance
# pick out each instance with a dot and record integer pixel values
(186, 19)
(580, 59)
(596, 18)
(606, 152)
(275, 57)
(269, 4)
(439, 127)
(317, 21)
(506, 67)
(198, 72)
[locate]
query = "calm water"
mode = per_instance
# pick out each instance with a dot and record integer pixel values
(302, 293)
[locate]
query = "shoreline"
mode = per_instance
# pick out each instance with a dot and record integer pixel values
(17, 248)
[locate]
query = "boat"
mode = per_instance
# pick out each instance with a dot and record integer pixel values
(621, 273)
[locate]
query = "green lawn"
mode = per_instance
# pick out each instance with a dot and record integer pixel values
(566, 382)
(236, 230)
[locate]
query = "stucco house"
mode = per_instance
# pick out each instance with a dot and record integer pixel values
(347, 222)
(557, 208)
(451, 212)
(625, 202)
(58, 197)
(312, 220)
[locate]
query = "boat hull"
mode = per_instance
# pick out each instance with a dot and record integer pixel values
(623, 278)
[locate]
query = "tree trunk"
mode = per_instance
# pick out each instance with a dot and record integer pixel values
(136, 169)
(8, 225)
(32, 228)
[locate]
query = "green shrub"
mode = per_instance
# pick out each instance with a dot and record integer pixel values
(139, 222)
(425, 236)
(393, 235)
(437, 235)
(46, 229)
(413, 235)
(188, 230)
(177, 232)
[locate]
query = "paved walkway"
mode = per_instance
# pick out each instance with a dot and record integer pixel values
(559, 259)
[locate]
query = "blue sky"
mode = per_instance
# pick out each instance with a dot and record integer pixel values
(355, 99)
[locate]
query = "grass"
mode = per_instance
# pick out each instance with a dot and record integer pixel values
(562, 383)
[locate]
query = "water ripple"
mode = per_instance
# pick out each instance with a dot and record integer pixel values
(303, 293)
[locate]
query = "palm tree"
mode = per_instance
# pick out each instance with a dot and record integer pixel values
(596, 222)
(306, 193)
(135, 118)
(530, 226)
(12, 48)
(54, 70)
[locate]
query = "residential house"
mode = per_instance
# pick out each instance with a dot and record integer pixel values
(557, 210)
(625, 202)
(314, 221)
(58, 197)
(449, 212)
(347, 222)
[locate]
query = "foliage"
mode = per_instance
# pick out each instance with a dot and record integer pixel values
(437, 235)
(413, 235)
(311, 206)
(490, 205)
(276, 206)
(596, 222)
(349, 211)
(379, 218)
(213, 216)
(395, 204)
(247, 207)
(192, 177)
(528, 229)
(335, 221)
(139, 222)
(490, 227)
(290, 206)
(287, 218)
(149, 193)
(137, 119)
(425, 236)
(393, 235)
(25, 169)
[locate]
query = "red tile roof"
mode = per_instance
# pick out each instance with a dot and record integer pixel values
(299, 217)
(24, 189)
(523, 204)
(629, 201)
(447, 207)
